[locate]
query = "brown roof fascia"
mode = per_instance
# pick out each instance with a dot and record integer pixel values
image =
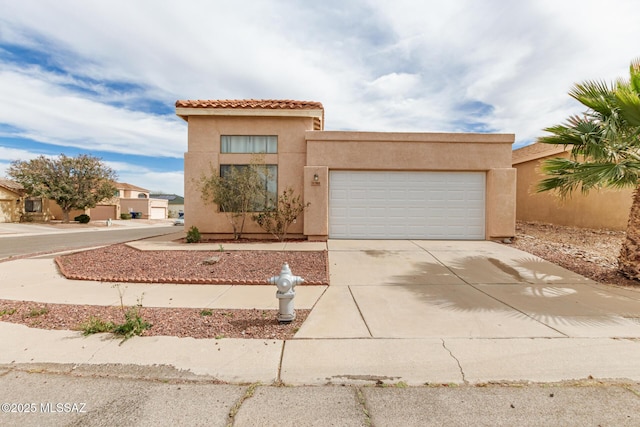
(12, 186)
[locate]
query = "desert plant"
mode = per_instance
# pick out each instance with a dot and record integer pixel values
(277, 220)
(95, 325)
(193, 235)
(206, 312)
(36, 312)
(133, 324)
(82, 219)
(604, 142)
(241, 189)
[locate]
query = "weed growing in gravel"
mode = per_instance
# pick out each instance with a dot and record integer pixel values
(133, 324)
(95, 325)
(221, 248)
(8, 312)
(206, 312)
(36, 312)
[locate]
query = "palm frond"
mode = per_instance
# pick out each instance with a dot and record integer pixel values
(597, 95)
(628, 99)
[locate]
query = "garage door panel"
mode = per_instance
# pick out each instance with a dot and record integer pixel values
(418, 205)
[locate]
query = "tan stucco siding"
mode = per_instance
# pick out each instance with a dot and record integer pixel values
(490, 153)
(304, 153)
(204, 156)
(407, 151)
(11, 205)
(605, 208)
(500, 206)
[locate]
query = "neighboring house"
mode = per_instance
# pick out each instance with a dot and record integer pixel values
(11, 201)
(176, 203)
(360, 185)
(604, 208)
(127, 198)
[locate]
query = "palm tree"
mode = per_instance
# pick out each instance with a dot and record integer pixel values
(605, 151)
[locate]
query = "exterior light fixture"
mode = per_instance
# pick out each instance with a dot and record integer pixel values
(316, 179)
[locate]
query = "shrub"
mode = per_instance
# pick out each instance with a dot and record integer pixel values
(193, 235)
(278, 219)
(125, 216)
(82, 219)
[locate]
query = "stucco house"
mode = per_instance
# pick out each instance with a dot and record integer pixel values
(130, 198)
(360, 185)
(11, 200)
(127, 198)
(605, 208)
(176, 204)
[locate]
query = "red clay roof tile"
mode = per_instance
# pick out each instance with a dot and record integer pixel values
(275, 104)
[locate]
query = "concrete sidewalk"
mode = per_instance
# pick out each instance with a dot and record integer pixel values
(410, 312)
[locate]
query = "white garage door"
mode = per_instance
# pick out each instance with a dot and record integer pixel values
(158, 213)
(406, 205)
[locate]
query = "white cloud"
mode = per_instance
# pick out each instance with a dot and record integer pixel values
(375, 65)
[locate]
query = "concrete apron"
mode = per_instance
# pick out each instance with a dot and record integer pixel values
(467, 289)
(396, 311)
(430, 311)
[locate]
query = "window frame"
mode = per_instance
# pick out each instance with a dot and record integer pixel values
(228, 140)
(269, 202)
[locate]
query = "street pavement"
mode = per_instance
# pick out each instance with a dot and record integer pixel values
(18, 239)
(408, 333)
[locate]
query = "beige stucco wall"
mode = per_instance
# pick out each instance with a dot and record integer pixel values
(204, 156)
(605, 208)
(11, 205)
(303, 153)
(55, 211)
(142, 205)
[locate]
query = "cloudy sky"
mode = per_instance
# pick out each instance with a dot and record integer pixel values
(102, 77)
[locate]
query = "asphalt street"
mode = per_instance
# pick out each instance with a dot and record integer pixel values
(12, 246)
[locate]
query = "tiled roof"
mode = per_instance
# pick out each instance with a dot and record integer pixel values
(273, 104)
(126, 186)
(11, 185)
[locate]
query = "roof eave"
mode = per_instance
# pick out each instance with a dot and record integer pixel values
(185, 112)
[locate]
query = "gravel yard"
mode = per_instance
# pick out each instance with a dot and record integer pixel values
(592, 253)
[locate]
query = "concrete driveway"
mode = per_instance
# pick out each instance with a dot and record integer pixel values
(462, 289)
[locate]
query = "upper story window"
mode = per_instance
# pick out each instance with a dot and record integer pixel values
(249, 144)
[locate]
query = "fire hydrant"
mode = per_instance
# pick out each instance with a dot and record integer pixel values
(285, 293)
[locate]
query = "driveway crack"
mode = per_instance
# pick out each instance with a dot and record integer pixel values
(464, 379)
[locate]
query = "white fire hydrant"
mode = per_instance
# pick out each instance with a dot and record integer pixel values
(285, 293)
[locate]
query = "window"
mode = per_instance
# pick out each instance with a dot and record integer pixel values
(33, 205)
(142, 196)
(270, 179)
(248, 144)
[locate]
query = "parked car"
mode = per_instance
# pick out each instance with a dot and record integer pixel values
(179, 221)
